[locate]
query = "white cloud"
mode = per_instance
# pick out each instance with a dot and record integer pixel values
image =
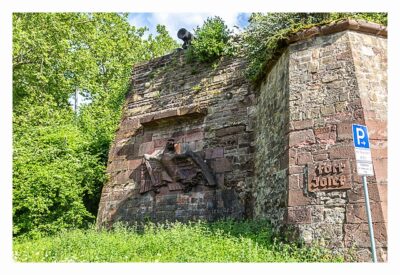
(175, 21)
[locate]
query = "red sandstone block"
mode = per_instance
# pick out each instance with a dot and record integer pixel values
(146, 148)
(320, 157)
(123, 176)
(376, 192)
(294, 169)
(380, 169)
(192, 131)
(228, 141)
(298, 215)
(358, 235)
(220, 179)
(301, 138)
(384, 205)
(147, 137)
(198, 135)
(117, 165)
(292, 156)
(160, 143)
(212, 153)
(230, 130)
(301, 124)
(221, 165)
(129, 123)
(377, 129)
(356, 213)
(326, 134)
(199, 145)
(342, 152)
(344, 131)
(304, 158)
(297, 198)
(178, 134)
(378, 152)
(134, 163)
(346, 55)
(294, 182)
(146, 119)
(166, 114)
(382, 191)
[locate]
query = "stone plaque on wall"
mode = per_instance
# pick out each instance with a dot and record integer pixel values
(329, 175)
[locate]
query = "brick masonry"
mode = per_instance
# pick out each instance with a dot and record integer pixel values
(265, 144)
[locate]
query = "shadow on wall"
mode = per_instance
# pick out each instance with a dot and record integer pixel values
(198, 204)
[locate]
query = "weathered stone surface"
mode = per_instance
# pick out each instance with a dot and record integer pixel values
(301, 138)
(164, 105)
(146, 148)
(356, 213)
(220, 165)
(342, 152)
(329, 88)
(304, 158)
(299, 215)
(358, 235)
(230, 130)
(213, 153)
(376, 192)
(294, 182)
(297, 198)
(326, 134)
(301, 124)
(259, 143)
(344, 131)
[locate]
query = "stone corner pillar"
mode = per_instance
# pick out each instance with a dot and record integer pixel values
(305, 164)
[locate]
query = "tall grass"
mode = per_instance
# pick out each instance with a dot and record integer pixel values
(224, 241)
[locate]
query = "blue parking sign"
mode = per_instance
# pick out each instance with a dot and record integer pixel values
(360, 136)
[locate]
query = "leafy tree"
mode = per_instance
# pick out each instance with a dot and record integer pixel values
(60, 156)
(211, 41)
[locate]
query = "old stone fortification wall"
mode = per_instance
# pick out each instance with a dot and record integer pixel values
(305, 164)
(207, 109)
(271, 166)
(282, 151)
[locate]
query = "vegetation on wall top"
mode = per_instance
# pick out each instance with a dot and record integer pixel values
(212, 40)
(266, 33)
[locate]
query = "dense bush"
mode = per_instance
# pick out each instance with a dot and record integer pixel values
(211, 41)
(226, 241)
(59, 156)
(265, 34)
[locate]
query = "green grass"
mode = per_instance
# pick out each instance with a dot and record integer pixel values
(224, 241)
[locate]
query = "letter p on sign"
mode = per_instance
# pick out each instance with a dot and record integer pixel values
(360, 136)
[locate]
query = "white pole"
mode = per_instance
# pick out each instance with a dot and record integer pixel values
(371, 229)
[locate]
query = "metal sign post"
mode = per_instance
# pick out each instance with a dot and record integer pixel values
(364, 169)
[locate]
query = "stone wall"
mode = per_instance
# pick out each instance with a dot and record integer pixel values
(207, 109)
(282, 152)
(271, 181)
(370, 62)
(305, 162)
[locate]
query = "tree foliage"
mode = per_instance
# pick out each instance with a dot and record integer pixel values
(60, 156)
(212, 40)
(266, 32)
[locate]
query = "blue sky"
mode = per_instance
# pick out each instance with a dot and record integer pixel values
(189, 21)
